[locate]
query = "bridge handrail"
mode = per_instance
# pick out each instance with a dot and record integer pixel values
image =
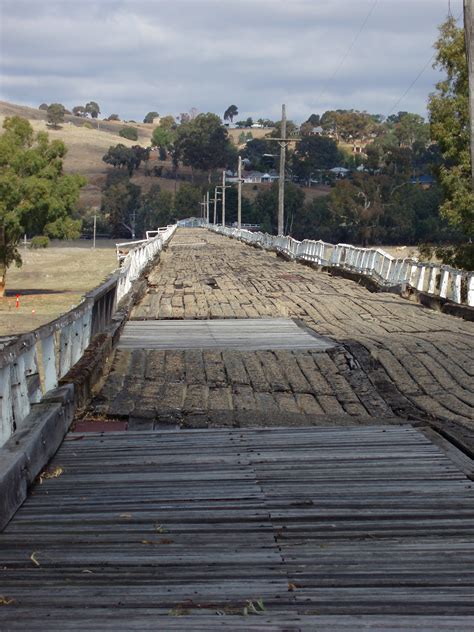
(33, 363)
(438, 280)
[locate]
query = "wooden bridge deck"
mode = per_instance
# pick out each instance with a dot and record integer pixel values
(328, 528)
(268, 488)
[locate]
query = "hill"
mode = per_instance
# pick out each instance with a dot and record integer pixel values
(86, 146)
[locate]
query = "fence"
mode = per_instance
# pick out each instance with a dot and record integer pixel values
(441, 281)
(31, 364)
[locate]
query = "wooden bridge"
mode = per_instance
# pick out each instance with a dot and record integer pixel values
(271, 448)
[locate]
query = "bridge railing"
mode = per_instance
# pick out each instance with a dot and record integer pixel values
(32, 364)
(438, 280)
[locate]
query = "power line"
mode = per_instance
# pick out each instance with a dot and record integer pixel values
(412, 84)
(346, 54)
(397, 103)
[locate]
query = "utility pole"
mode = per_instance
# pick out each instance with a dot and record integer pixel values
(469, 38)
(216, 193)
(95, 230)
(281, 179)
(283, 142)
(207, 208)
(239, 195)
(223, 198)
(203, 208)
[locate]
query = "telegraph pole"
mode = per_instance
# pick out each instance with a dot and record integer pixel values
(223, 199)
(469, 38)
(239, 195)
(203, 208)
(283, 142)
(216, 193)
(95, 230)
(281, 180)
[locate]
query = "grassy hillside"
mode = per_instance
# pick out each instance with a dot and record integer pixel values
(85, 146)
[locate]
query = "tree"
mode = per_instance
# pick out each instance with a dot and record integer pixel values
(93, 109)
(314, 120)
(79, 110)
(157, 208)
(230, 113)
(187, 201)
(450, 128)
(128, 157)
(55, 114)
(121, 204)
(43, 106)
(266, 204)
(150, 117)
(291, 129)
(315, 153)
(34, 190)
(410, 128)
(131, 133)
(203, 143)
(113, 117)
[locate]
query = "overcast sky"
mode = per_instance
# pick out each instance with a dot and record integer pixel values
(133, 56)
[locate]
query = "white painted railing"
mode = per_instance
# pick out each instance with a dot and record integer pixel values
(438, 280)
(32, 364)
(133, 262)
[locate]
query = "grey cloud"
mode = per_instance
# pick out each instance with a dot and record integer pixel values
(169, 55)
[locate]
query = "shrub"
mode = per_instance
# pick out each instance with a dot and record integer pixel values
(129, 132)
(88, 125)
(40, 241)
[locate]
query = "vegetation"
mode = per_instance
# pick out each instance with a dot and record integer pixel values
(449, 118)
(40, 241)
(203, 143)
(150, 117)
(129, 158)
(131, 133)
(230, 113)
(55, 114)
(93, 109)
(35, 191)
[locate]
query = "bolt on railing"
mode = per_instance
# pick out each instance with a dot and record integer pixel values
(32, 364)
(439, 280)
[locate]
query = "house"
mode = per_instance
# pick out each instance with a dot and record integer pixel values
(271, 176)
(317, 131)
(425, 181)
(252, 177)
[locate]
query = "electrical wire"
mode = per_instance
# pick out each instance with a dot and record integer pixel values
(397, 103)
(346, 54)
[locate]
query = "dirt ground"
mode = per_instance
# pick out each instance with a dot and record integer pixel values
(52, 281)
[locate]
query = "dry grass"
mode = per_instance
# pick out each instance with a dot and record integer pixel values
(258, 132)
(52, 281)
(86, 147)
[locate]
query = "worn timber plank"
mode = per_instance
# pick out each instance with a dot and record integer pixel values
(241, 334)
(367, 528)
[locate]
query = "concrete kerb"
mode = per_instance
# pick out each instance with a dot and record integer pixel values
(29, 449)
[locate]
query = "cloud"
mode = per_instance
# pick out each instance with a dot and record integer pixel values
(136, 56)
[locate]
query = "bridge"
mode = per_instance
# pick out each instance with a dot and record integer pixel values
(249, 433)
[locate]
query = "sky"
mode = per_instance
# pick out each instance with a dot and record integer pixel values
(136, 56)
